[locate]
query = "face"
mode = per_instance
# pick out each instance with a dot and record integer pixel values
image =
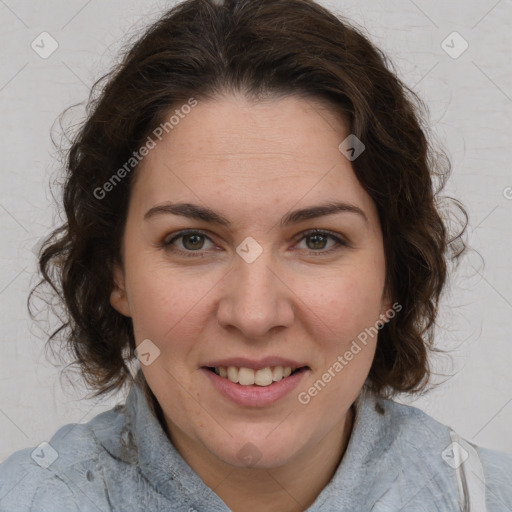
(248, 284)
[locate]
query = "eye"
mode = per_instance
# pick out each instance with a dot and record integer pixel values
(191, 241)
(319, 239)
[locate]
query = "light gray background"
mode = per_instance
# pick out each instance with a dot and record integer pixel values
(470, 100)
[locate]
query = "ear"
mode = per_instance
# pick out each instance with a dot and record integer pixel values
(118, 296)
(386, 305)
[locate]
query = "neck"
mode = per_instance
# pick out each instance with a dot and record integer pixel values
(292, 487)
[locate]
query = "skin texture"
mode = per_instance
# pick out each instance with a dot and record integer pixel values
(253, 162)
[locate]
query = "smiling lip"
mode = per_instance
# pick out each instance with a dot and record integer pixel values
(254, 365)
(255, 396)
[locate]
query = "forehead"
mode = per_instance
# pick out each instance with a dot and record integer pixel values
(259, 151)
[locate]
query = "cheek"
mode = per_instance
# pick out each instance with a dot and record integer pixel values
(349, 308)
(165, 301)
(347, 303)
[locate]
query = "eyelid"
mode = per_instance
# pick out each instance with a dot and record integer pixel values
(184, 232)
(167, 242)
(340, 240)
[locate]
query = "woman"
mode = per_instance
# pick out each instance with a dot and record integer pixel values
(251, 214)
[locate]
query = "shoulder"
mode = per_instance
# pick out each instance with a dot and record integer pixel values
(411, 422)
(497, 467)
(56, 475)
(25, 485)
(438, 444)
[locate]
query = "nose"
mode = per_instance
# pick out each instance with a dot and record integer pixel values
(255, 298)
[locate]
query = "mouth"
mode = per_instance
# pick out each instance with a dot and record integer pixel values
(263, 385)
(257, 378)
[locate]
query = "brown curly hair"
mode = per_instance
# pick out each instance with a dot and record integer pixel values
(200, 49)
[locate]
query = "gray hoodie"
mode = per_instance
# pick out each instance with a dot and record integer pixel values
(398, 459)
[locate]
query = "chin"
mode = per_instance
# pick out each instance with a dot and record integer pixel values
(257, 451)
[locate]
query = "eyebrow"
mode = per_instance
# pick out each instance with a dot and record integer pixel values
(194, 211)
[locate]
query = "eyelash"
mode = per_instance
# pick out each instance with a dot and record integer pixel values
(198, 254)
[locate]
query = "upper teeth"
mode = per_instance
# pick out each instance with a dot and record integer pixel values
(248, 377)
